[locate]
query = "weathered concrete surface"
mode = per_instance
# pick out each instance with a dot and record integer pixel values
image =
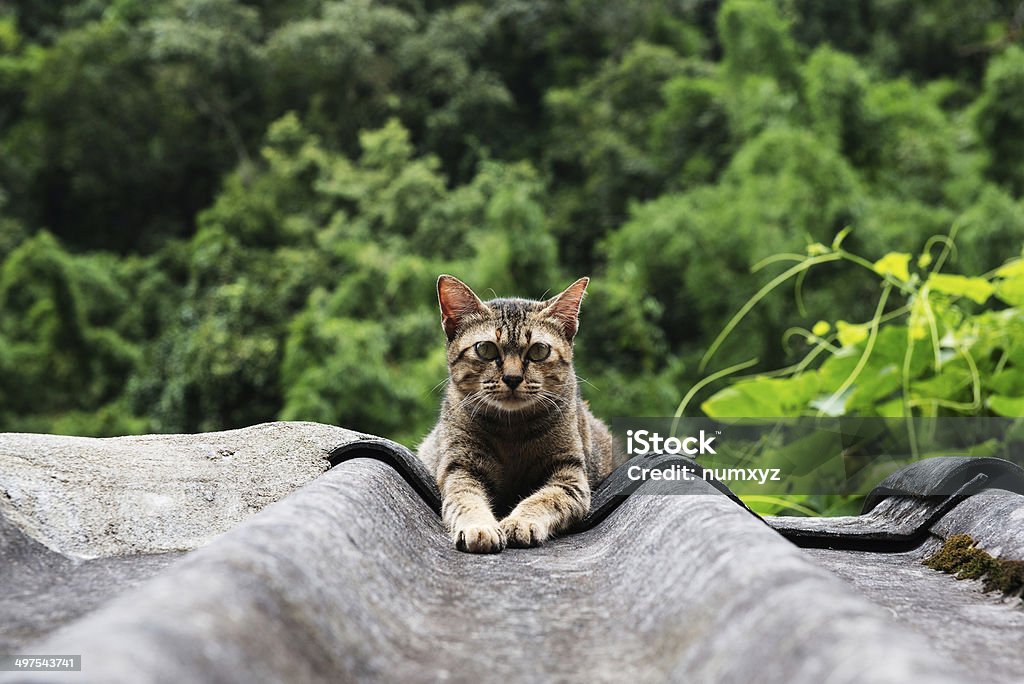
(895, 517)
(353, 579)
(994, 519)
(89, 498)
(41, 590)
(982, 631)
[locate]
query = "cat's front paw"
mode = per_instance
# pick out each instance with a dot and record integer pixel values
(523, 532)
(479, 539)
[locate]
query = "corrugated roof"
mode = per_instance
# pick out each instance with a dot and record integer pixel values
(352, 578)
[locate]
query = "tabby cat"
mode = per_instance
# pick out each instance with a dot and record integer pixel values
(516, 450)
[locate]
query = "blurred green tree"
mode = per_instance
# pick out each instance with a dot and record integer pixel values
(219, 212)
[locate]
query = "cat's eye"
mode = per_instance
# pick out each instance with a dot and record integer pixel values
(538, 352)
(488, 351)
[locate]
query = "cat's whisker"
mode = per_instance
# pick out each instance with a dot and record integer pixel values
(479, 406)
(548, 399)
(435, 387)
(468, 399)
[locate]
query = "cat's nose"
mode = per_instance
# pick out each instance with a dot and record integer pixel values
(512, 381)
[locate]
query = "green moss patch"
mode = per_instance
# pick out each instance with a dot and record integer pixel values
(960, 556)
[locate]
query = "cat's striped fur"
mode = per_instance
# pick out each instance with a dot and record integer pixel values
(516, 450)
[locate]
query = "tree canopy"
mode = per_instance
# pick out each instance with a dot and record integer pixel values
(220, 212)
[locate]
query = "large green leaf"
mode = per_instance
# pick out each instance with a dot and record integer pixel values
(763, 398)
(1012, 407)
(1011, 290)
(896, 264)
(975, 289)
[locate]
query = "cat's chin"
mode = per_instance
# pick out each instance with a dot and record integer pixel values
(511, 403)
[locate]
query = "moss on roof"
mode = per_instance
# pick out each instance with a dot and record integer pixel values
(960, 555)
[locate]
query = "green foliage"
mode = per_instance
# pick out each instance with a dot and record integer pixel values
(692, 253)
(353, 370)
(605, 137)
(934, 353)
(62, 331)
(1000, 119)
(305, 293)
(924, 40)
(949, 347)
(217, 212)
(836, 88)
(756, 40)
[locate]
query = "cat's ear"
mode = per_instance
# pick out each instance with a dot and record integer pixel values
(565, 307)
(457, 301)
